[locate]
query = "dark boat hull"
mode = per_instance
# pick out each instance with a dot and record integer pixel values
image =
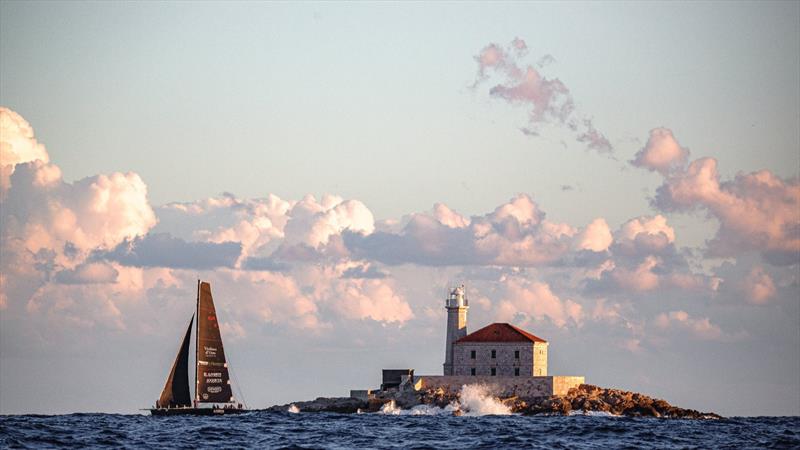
(195, 411)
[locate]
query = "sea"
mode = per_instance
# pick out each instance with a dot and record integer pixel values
(393, 429)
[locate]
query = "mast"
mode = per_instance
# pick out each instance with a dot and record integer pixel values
(197, 348)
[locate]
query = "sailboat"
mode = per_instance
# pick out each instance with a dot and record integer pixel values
(213, 394)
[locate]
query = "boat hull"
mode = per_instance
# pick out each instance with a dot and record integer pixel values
(195, 411)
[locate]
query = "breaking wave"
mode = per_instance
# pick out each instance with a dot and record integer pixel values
(475, 400)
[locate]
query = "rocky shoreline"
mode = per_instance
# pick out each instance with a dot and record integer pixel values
(583, 399)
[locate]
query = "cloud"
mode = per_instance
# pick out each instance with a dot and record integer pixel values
(525, 301)
(313, 223)
(18, 145)
(645, 235)
(548, 99)
(164, 250)
(701, 328)
(642, 278)
(662, 152)
(756, 211)
(758, 286)
(595, 237)
(50, 226)
(370, 299)
(364, 271)
(88, 273)
(515, 233)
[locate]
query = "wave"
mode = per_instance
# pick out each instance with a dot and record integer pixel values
(474, 400)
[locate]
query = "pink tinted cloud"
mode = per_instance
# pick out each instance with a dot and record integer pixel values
(662, 152)
(758, 286)
(548, 99)
(527, 301)
(681, 321)
(18, 145)
(757, 211)
(595, 237)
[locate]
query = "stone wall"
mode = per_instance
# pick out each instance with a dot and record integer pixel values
(532, 359)
(540, 359)
(503, 386)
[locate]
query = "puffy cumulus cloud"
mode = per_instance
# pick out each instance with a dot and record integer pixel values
(595, 237)
(645, 235)
(756, 211)
(548, 99)
(681, 321)
(72, 219)
(448, 217)
(369, 299)
(268, 297)
(662, 152)
(524, 301)
(313, 223)
(354, 298)
(758, 286)
(257, 224)
(516, 233)
(641, 278)
(18, 145)
(270, 230)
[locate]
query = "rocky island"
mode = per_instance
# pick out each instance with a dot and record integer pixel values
(498, 369)
(584, 399)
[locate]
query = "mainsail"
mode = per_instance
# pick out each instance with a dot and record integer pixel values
(213, 382)
(176, 390)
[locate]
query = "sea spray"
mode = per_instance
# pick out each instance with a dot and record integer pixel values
(476, 400)
(391, 409)
(293, 409)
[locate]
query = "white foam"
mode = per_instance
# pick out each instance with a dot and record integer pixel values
(293, 409)
(580, 412)
(476, 400)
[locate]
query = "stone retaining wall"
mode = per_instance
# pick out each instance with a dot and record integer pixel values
(503, 386)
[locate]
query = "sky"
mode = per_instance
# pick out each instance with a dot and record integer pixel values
(620, 179)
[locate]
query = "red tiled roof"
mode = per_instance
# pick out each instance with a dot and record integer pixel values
(500, 332)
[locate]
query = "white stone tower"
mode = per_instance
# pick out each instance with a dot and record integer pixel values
(457, 306)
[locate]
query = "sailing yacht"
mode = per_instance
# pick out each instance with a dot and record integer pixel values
(213, 394)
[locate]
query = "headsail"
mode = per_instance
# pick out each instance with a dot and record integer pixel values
(213, 381)
(176, 390)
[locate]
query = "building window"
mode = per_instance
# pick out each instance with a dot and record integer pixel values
(494, 371)
(472, 356)
(472, 371)
(516, 354)
(494, 354)
(516, 371)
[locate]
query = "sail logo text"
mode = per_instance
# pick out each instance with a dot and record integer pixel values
(210, 351)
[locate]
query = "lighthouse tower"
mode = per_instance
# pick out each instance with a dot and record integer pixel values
(456, 306)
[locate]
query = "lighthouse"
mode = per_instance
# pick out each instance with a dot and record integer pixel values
(456, 305)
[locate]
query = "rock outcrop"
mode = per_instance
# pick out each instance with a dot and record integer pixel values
(586, 398)
(344, 405)
(590, 398)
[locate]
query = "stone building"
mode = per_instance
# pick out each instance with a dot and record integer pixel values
(499, 349)
(502, 350)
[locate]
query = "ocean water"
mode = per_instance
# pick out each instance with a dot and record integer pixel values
(423, 429)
